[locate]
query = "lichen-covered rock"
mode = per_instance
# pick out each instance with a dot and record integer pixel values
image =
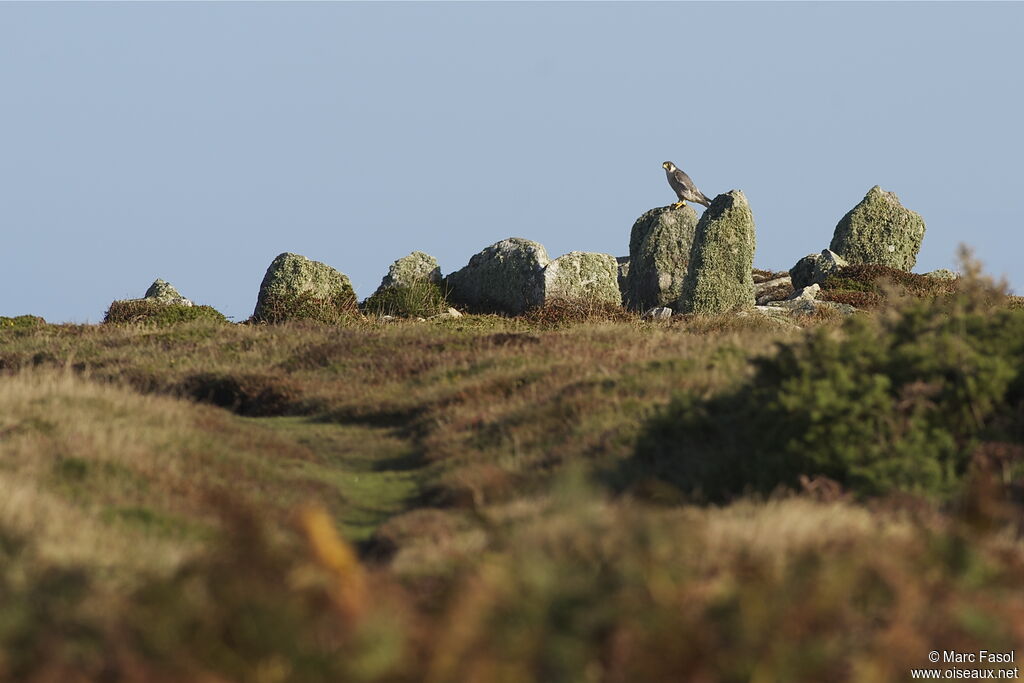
(583, 275)
(659, 256)
(506, 277)
(942, 274)
(719, 278)
(164, 292)
(814, 268)
(415, 268)
(295, 287)
(879, 231)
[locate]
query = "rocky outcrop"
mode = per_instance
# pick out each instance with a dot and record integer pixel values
(719, 277)
(415, 268)
(506, 277)
(814, 268)
(165, 293)
(582, 275)
(295, 287)
(659, 256)
(879, 230)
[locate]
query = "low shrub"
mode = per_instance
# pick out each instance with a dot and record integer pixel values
(280, 308)
(153, 312)
(868, 286)
(571, 311)
(897, 402)
(20, 321)
(418, 300)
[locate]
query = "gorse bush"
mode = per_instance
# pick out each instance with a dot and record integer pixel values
(420, 299)
(158, 313)
(897, 402)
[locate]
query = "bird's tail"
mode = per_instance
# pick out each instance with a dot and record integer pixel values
(704, 199)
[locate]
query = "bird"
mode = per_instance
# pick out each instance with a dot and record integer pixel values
(683, 186)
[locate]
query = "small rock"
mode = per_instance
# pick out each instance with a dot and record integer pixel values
(165, 293)
(658, 313)
(942, 274)
(815, 268)
(450, 313)
(808, 293)
(412, 269)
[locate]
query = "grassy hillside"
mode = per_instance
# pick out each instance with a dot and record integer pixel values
(511, 499)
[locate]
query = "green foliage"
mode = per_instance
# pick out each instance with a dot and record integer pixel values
(416, 300)
(895, 403)
(280, 307)
(153, 312)
(20, 321)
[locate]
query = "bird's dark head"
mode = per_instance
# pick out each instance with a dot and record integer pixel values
(668, 166)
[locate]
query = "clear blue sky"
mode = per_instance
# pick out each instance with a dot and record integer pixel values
(196, 141)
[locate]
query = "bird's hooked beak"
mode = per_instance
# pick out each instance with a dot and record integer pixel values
(666, 165)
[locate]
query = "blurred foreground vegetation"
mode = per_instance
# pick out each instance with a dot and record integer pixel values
(573, 495)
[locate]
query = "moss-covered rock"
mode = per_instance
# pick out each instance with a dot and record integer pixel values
(879, 231)
(719, 278)
(506, 277)
(296, 288)
(164, 292)
(415, 268)
(582, 275)
(162, 305)
(659, 255)
(152, 311)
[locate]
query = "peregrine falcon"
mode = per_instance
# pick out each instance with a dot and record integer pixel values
(683, 186)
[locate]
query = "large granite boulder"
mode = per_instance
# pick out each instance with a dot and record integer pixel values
(814, 268)
(506, 277)
(719, 278)
(295, 287)
(659, 255)
(879, 231)
(415, 268)
(581, 275)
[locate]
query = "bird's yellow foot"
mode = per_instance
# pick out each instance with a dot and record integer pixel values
(678, 205)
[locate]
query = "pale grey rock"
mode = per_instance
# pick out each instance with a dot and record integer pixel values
(808, 293)
(415, 268)
(165, 293)
(582, 276)
(658, 313)
(815, 268)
